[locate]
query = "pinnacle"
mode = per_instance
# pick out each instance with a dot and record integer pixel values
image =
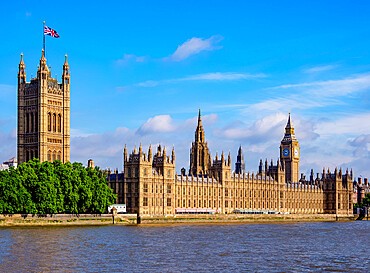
(66, 62)
(199, 119)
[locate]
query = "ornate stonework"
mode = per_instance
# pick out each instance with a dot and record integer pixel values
(43, 114)
(149, 185)
(200, 159)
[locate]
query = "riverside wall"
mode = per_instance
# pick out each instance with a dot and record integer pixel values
(243, 218)
(66, 219)
(132, 219)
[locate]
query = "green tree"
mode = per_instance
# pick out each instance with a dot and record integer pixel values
(47, 187)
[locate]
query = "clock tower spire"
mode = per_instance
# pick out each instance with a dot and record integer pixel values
(289, 153)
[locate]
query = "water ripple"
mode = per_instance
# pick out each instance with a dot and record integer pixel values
(303, 247)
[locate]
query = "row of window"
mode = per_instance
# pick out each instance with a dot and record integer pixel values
(31, 154)
(156, 189)
(54, 155)
(54, 122)
(31, 122)
(136, 172)
(157, 202)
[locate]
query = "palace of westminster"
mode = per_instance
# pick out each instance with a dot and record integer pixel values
(149, 185)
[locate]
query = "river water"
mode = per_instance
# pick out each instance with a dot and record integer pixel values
(288, 247)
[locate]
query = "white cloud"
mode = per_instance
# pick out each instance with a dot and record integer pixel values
(320, 68)
(293, 101)
(157, 124)
(127, 58)
(106, 148)
(216, 76)
(268, 128)
(194, 46)
(312, 94)
(350, 125)
(332, 88)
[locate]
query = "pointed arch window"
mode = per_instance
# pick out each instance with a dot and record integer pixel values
(36, 122)
(26, 122)
(54, 122)
(49, 122)
(59, 123)
(31, 123)
(49, 155)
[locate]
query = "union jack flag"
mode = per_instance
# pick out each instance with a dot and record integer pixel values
(51, 32)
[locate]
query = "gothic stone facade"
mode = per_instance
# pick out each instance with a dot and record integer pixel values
(149, 185)
(43, 114)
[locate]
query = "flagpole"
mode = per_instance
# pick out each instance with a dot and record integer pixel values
(43, 34)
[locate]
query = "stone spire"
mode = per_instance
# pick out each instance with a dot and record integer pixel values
(199, 119)
(289, 131)
(240, 165)
(199, 133)
(199, 153)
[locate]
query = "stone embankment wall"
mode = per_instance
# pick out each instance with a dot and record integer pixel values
(131, 219)
(65, 219)
(243, 218)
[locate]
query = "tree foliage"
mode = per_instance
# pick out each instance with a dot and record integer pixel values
(47, 187)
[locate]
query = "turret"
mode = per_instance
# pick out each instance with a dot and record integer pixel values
(66, 75)
(150, 153)
(140, 150)
(229, 160)
(21, 72)
(173, 155)
(125, 154)
(260, 167)
(43, 65)
(266, 166)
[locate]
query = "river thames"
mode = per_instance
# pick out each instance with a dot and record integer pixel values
(288, 247)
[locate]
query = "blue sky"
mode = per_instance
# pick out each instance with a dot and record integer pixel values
(141, 69)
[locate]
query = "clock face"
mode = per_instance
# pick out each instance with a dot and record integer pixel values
(296, 152)
(285, 152)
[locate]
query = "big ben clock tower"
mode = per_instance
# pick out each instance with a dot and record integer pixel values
(289, 153)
